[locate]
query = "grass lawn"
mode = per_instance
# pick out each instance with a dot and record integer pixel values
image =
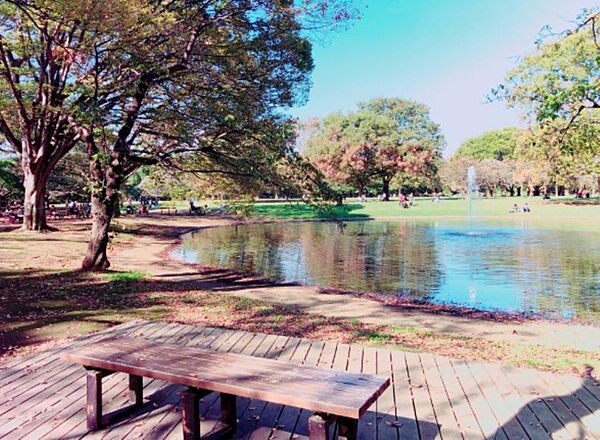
(547, 214)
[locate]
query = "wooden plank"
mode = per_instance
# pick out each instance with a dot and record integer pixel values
(260, 417)
(145, 421)
(425, 412)
(367, 428)
(577, 411)
(325, 359)
(337, 393)
(28, 363)
(486, 418)
(289, 416)
(69, 413)
(577, 388)
(210, 409)
(169, 426)
(169, 399)
(48, 364)
(404, 403)
(38, 408)
(460, 401)
(340, 362)
(592, 386)
(387, 423)
(510, 424)
(515, 404)
(526, 385)
(444, 410)
(271, 418)
(30, 388)
(312, 358)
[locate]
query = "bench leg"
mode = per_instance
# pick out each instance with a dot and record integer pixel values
(318, 427)
(190, 400)
(94, 399)
(229, 412)
(347, 428)
(136, 390)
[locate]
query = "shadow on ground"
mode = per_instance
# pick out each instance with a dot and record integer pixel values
(36, 307)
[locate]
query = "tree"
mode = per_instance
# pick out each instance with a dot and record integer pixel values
(92, 71)
(69, 179)
(41, 64)
(558, 86)
(10, 182)
(353, 149)
(413, 121)
(495, 144)
(560, 80)
(384, 140)
(453, 173)
(158, 79)
(562, 158)
(420, 140)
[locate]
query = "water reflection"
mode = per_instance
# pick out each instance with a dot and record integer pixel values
(514, 268)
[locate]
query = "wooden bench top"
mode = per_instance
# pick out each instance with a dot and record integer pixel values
(337, 393)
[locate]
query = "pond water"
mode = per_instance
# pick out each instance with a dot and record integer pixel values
(509, 267)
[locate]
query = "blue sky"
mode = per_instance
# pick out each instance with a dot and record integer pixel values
(447, 54)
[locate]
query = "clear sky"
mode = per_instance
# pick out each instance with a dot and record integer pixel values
(447, 54)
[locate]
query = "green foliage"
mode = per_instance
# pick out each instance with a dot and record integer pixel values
(384, 139)
(413, 121)
(569, 158)
(70, 178)
(124, 277)
(11, 188)
(560, 80)
(496, 144)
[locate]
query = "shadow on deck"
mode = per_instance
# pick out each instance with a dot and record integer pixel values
(431, 396)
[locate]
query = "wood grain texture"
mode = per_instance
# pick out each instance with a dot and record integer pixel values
(315, 389)
(43, 397)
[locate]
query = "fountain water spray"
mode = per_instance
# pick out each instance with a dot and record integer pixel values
(472, 188)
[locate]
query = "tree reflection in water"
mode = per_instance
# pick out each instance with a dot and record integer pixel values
(496, 266)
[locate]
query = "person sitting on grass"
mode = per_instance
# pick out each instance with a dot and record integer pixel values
(195, 209)
(526, 207)
(515, 208)
(402, 200)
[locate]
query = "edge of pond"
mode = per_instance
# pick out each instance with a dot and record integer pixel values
(395, 302)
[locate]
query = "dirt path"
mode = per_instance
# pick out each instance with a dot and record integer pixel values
(149, 254)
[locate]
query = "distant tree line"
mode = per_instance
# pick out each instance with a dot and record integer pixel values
(394, 144)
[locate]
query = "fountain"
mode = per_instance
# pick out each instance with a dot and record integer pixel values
(472, 188)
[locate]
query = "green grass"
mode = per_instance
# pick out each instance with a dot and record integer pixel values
(544, 214)
(124, 277)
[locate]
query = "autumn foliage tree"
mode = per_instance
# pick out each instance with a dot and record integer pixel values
(143, 81)
(384, 139)
(558, 87)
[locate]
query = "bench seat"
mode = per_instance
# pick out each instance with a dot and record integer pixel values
(332, 395)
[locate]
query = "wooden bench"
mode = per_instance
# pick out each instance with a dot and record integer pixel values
(332, 395)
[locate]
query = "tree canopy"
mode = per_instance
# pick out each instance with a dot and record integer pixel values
(561, 80)
(496, 144)
(143, 81)
(383, 140)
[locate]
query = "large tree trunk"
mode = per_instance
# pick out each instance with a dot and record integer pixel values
(96, 258)
(34, 206)
(386, 190)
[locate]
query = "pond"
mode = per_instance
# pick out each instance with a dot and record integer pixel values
(489, 266)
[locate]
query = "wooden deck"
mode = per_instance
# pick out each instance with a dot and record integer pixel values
(432, 397)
